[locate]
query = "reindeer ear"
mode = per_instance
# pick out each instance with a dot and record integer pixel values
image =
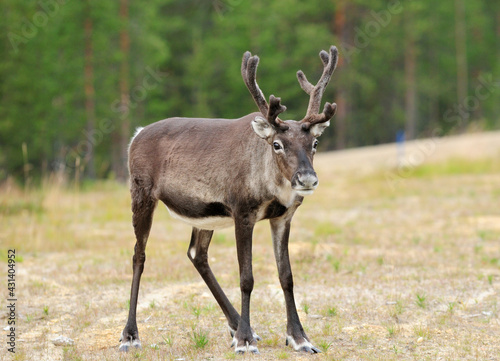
(317, 129)
(262, 127)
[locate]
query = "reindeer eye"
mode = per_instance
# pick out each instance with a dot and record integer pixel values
(276, 146)
(315, 144)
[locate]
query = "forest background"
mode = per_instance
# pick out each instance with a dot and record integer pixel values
(77, 77)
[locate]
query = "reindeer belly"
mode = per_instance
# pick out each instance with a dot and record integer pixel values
(214, 216)
(208, 223)
(199, 214)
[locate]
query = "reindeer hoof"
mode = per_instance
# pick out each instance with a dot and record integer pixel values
(240, 350)
(309, 349)
(253, 349)
(242, 346)
(128, 342)
(303, 346)
(126, 346)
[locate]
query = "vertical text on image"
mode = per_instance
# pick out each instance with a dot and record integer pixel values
(11, 300)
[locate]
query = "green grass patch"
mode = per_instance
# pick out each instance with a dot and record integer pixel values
(326, 229)
(13, 207)
(324, 345)
(199, 339)
(282, 355)
(332, 311)
(421, 300)
(488, 235)
(458, 166)
(4, 256)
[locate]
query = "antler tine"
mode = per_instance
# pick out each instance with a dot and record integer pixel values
(249, 73)
(327, 114)
(316, 92)
(304, 83)
(329, 110)
(324, 57)
(276, 108)
(244, 65)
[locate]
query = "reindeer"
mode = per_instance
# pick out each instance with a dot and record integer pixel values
(216, 173)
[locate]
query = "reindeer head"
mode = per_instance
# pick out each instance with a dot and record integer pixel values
(293, 142)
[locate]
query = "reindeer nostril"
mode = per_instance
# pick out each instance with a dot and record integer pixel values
(307, 180)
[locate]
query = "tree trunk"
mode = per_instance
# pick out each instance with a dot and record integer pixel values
(410, 80)
(340, 120)
(120, 140)
(498, 31)
(89, 92)
(461, 55)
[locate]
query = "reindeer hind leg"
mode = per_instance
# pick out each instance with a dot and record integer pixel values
(143, 206)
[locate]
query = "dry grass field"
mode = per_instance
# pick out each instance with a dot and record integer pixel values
(390, 263)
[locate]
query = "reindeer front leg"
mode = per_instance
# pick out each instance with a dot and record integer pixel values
(295, 335)
(244, 338)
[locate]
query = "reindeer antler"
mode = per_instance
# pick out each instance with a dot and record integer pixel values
(274, 108)
(316, 92)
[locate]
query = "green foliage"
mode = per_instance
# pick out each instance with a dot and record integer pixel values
(490, 280)
(194, 48)
(196, 311)
(168, 340)
(451, 307)
(392, 330)
(324, 345)
(282, 355)
(421, 300)
(306, 308)
(199, 338)
(332, 311)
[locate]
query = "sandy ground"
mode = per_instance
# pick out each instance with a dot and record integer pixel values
(387, 266)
